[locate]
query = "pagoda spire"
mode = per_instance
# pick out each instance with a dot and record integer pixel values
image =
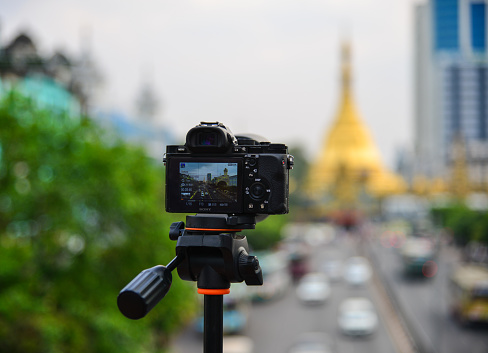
(346, 68)
(349, 149)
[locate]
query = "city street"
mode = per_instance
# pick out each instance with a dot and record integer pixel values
(275, 325)
(424, 303)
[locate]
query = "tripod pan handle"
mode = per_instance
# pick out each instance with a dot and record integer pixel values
(144, 292)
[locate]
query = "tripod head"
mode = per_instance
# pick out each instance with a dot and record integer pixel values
(208, 251)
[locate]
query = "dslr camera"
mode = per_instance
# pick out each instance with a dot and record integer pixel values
(216, 172)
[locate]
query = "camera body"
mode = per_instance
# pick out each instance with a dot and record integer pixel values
(216, 172)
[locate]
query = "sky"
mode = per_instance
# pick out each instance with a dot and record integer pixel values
(268, 67)
(200, 171)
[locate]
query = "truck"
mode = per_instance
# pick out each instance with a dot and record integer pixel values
(469, 294)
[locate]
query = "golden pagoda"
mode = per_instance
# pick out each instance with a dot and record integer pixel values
(349, 163)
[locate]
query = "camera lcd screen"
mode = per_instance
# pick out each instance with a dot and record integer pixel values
(205, 186)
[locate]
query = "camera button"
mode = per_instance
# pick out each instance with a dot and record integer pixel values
(258, 191)
(251, 205)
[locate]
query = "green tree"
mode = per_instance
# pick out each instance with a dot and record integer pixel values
(465, 224)
(80, 216)
(480, 229)
(267, 233)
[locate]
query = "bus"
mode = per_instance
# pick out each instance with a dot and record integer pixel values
(469, 294)
(417, 256)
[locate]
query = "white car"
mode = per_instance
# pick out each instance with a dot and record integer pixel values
(313, 288)
(357, 271)
(357, 317)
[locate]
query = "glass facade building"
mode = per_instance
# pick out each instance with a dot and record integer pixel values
(478, 27)
(446, 25)
(451, 83)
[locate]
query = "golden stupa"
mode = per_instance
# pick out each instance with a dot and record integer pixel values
(349, 163)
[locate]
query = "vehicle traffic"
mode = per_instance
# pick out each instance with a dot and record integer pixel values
(313, 288)
(469, 294)
(357, 317)
(357, 271)
(417, 255)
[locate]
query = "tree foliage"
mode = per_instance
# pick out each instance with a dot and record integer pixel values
(267, 233)
(80, 216)
(464, 223)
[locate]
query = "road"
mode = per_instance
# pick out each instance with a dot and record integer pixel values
(275, 325)
(423, 302)
(207, 193)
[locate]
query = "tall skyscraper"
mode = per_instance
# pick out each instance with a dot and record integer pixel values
(451, 86)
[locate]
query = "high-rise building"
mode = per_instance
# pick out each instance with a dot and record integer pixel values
(451, 87)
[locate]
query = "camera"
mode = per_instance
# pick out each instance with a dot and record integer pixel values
(216, 172)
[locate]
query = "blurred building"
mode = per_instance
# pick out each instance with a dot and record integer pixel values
(349, 172)
(147, 103)
(56, 81)
(73, 85)
(451, 91)
(138, 132)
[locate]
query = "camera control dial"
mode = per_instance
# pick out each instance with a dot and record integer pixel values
(257, 191)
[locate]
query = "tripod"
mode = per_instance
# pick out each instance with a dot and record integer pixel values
(208, 251)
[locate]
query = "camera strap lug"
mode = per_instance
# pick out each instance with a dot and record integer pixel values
(291, 161)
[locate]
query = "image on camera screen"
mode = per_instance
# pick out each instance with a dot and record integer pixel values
(214, 184)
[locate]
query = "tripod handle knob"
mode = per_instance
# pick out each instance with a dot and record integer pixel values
(175, 230)
(250, 270)
(144, 292)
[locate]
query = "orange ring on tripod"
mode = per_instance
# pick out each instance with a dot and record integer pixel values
(213, 291)
(216, 230)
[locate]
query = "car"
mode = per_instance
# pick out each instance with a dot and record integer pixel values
(298, 267)
(313, 288)
(357, 317)
(357, 271)
(312, 342)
